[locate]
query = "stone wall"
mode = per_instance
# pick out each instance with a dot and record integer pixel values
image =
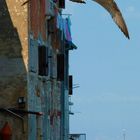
(13, 62)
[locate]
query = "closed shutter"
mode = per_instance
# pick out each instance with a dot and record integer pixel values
(60, 67)
(70, 85)
(32, 57)
(42, 61)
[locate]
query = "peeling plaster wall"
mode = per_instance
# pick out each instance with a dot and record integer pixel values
(13, 62)
(44, 91)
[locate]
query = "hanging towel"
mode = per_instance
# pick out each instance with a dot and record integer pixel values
(68, 32)
(59, 21)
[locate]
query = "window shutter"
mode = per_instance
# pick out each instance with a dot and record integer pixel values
(60, 67)
(32, 57)
(42, 61)
(61, 3)
(51, 25)
(70, 85)
(50, 63)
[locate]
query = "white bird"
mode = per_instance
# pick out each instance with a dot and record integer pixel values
(114, 11)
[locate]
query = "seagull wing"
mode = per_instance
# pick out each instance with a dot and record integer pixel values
(113, 9)
(78, 1)
(25, 3)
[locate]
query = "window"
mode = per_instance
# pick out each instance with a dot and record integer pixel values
(61, 3)
(60, 67)
(42, 60)
(70, 84)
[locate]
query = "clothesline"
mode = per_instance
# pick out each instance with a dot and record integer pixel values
(66, 14)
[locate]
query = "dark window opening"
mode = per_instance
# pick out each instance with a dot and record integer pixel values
(42, 60)
(61, 3)
(60, 67)
(70, 85)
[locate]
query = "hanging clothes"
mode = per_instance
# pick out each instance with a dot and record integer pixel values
(64, 25)
(68, 32)
(59, 22)
(66, 29)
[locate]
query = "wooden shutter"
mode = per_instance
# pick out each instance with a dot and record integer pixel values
(61, 3)
(60, 67)
(32, 57)
(42, 61)
(51, 25)
(70, 85)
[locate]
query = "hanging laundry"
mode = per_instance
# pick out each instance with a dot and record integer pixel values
(64, 27)
(68, 31)
(69, 23)
(59, 22)
(64, 24)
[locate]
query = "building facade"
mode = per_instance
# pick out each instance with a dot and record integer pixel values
(35, 84)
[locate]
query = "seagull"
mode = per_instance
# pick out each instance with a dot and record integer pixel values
(112, 8)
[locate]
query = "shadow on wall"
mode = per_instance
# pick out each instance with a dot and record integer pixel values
(13, 72)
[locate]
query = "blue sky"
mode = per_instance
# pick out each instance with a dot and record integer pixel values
(106, 65)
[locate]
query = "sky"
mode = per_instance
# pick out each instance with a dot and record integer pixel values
(106, 66)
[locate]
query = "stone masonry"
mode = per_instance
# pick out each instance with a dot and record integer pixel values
(13, 63)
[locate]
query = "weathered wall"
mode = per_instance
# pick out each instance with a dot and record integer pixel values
(44, 91)
(13, 61)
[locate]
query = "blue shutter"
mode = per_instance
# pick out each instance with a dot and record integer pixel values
(32, 56)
